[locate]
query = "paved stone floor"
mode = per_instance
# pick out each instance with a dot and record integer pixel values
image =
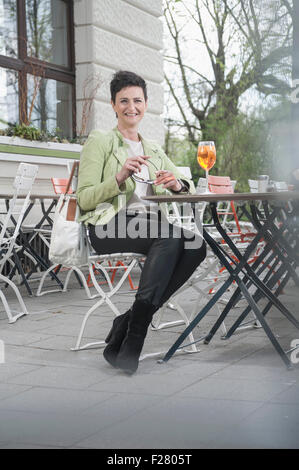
(231, 394)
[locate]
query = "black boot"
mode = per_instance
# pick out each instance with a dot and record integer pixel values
(139, 320)
(115, 337)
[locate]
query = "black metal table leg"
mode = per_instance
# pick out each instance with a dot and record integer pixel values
(258, 296)
(250, 275)
(276, 240)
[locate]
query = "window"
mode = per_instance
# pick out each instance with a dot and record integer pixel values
(46, 27)
(52, 107)
(9, 97)
(8, 29)
(37, 76)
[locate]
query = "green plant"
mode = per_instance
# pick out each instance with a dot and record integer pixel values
(24, 131)
(33, 133)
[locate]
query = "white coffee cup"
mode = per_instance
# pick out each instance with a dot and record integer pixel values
(262, 184)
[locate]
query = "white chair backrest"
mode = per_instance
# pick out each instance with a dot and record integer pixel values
(180, 215)
(280, 185)
(25, 176)
(183, 215)
(201, 185)
(24, 180)
(69, 166)
(185, 170)
(253, 186)
(75, 177)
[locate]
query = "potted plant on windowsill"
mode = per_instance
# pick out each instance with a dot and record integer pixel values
(52, 157)
(29, 140)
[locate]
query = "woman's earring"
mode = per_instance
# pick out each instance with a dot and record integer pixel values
(116, 115)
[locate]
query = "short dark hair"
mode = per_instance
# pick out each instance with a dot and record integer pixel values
(123, 79)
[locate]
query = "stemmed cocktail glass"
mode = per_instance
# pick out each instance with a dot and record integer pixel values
(206, 157)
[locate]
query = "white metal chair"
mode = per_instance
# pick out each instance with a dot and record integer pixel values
(204, 282)
(208, 276)
(253, 187)
(126, 262)
(43, 230)
(102, 264)
(131, 261)
(201, 185)
(23, 183)
(177, 214)
(97, 264)
(280, 185)
(59, 186)
(181, 215)
(94, 261)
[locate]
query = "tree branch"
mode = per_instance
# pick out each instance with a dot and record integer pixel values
(179, 105)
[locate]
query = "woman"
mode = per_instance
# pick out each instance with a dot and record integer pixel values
(111, 200)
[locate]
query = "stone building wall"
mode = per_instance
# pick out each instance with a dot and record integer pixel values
(119, 34)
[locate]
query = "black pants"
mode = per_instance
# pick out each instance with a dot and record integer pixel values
(172, 254)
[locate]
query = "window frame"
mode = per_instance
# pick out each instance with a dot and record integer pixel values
(23, 63)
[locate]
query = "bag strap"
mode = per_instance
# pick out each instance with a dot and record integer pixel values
(74, 167)
(72, 205)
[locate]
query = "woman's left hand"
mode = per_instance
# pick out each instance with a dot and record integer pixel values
(168, 180)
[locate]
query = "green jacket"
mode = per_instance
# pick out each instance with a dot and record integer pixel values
(104, 153)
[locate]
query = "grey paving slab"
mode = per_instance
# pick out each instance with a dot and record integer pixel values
(11, 337)
(234, 389)
(121, 406)
(70, 326)
(288, 396)
(59, 342)
(46, 429)
(174, 423)
(9, 390)
(241, 437)
(283, 417)
(11, 445)
(254, 370)
(231, 394)
(14, 369)
(59, 400)
(272, 426)
(193, 365)
(65, 377)
(146, 382)
(43, 357)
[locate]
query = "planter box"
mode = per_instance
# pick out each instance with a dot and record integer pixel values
(51, 158)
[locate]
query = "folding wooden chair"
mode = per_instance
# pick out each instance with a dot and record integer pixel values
(60, 185)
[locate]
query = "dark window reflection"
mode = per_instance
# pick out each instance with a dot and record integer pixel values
(46, 22)
(50, 105)
(8, 28)
(9, 101)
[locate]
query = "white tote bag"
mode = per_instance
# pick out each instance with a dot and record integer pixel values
(69, 244)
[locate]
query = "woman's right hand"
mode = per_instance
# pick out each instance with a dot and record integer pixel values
(131, 165)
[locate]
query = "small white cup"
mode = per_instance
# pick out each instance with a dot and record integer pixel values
(262, 183)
